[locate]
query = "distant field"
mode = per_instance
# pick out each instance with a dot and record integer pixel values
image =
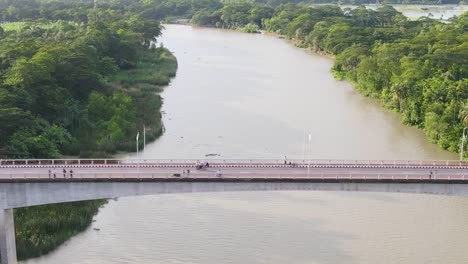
(416, 11)
(15, 26)
(12, 26)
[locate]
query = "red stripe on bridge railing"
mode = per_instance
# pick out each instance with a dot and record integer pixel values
(207, 176)
(4, 162)
(358, 166)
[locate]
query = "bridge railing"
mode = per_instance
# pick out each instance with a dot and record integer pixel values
(228, 176)
(9, 162)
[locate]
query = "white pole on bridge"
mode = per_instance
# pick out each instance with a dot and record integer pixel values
(463, 143)
(138, 135)
(308, 166)
(138, 161)
(303, 146)
(144, 138)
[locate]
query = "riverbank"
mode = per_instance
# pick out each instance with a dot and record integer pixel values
(142, 84)
(41, 229)
(298, 43)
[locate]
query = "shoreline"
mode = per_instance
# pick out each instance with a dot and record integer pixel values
(84, 212)
(294, 42)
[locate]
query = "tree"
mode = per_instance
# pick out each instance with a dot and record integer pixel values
(113, 116)
(259, 13)
(39, 141)
(363, 17)
(149, 29)
(463, 115)
(205, 17)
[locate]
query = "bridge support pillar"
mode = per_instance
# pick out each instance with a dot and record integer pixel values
(7, 237)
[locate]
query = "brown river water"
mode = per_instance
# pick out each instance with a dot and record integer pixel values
(247, 96)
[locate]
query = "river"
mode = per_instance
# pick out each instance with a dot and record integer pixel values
(242, 95)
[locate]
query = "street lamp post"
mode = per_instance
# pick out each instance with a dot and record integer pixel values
(137, 136)
(463, 143)
(144, 138)
(304, 146)
(308, 165)
(138, 161)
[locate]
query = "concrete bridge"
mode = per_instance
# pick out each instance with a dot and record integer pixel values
(36, 182)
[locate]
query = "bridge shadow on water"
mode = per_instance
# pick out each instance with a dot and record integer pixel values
(272, 227)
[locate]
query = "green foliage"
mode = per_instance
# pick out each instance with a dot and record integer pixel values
(251, 28)
(60, 92)
(463, 115)
(155, 67)
(205, 17)
(113, 116)
(40, 229)
(41, 140)
(54, 63)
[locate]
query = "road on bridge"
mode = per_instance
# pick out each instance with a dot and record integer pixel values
(229, 170)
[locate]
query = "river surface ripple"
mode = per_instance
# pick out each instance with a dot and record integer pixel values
(251, 96)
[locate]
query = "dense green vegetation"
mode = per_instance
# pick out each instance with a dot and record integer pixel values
(79, 80)
(66, 81)
(40, 229)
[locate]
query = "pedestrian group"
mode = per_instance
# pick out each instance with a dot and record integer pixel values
(53, 173)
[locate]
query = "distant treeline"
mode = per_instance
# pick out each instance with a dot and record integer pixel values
(349, 2)
(78, 10)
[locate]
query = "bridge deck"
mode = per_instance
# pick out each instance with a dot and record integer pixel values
(176, 170)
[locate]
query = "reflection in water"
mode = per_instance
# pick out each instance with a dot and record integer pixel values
(252, 96)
